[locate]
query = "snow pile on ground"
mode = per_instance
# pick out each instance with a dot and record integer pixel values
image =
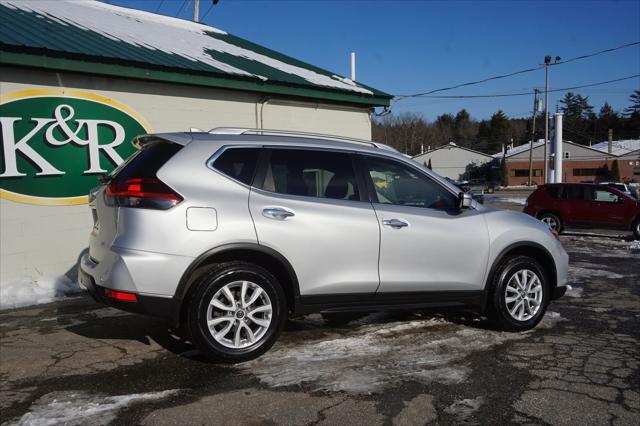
(463, 409)
(25, 291)
(82, 408)
(634, 247)
(575, 292)
(582, 272)
(509, 200)
(371, 357)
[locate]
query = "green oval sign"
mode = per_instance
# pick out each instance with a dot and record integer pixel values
(55, 145)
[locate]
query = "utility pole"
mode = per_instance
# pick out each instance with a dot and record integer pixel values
(196, 10)
(533, 134)
(547, 61)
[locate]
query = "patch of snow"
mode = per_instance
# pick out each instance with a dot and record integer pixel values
(370, 357)
(575, 292)
(25, 291)
(618, 148)
(549, 320)
(510, 200)
(81, 408)
(184, 38)
(634, 247)
(464, 408)
(579, 272)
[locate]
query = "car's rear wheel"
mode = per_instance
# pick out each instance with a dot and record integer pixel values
(552, 220)
(636, 229)
(236, 312)
(520, 294)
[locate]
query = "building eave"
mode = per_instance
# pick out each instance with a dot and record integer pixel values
(60, 63)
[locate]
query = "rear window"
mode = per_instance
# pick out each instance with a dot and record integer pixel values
(147, 161)
(238, 163)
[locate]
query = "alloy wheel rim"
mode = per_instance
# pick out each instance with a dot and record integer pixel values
(523, 295)
(551, 222)
(239, 314)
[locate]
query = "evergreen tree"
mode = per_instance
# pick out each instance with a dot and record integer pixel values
(614, 175)
(504, 174)
(499, 132)
(634, 108)
(576, 106)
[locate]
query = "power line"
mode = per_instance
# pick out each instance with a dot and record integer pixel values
(501, 95)
(600, 52)
(484, 80)
(184, 3)
(527, 70)
(159, 6)
(208, 10)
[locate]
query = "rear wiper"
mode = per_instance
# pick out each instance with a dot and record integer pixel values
(105, 178)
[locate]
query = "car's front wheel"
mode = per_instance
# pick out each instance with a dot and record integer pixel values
(636, 229)
(236, 312)
(552, 220)
(520, 293)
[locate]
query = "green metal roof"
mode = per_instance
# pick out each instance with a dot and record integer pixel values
(93, 37)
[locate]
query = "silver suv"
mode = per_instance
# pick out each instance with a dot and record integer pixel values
(230, 232)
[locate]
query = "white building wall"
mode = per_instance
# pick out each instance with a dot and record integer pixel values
(40, 241)
(452, 161)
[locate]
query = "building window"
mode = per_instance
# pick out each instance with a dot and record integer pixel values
(588, 172)
(524, 172)
(636, 171)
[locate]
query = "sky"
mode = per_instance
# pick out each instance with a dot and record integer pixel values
(406, 47)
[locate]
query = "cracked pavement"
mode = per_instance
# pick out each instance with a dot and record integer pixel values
(580, 366)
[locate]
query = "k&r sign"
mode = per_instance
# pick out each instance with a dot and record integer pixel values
(55, 144)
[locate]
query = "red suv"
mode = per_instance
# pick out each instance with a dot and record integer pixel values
(584, 205)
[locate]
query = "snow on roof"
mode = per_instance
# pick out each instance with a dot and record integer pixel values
(618, 148)
(518, 149)
(154, 38)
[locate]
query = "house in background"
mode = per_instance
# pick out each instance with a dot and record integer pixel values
(580, 162)
(453, 161)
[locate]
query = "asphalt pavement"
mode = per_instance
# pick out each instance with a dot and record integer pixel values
(76, 362)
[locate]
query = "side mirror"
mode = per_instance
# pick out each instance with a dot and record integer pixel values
(465, 200)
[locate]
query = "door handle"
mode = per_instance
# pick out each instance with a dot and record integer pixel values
(395, 223)
(277, 213)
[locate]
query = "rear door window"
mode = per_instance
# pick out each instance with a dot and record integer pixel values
(573, 192)
(238, 163)
(311, 173)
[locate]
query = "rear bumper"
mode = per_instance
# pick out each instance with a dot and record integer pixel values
(167, 308)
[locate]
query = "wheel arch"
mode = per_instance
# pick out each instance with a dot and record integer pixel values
(524, 248)
(263, 256)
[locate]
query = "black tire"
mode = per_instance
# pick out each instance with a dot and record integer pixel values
(342, 318)
(198, 311)
(549, 219)
(499, 305)
(636, 229)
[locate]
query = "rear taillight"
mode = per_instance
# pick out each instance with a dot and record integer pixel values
(121, 295)
(147, 193)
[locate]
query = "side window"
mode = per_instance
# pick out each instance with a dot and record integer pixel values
(573, 192)
(396, 183)
(311, 173)
(604, 196)
(554, 191)
(238, 163)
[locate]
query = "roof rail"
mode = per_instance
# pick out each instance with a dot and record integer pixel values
(244, 131)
